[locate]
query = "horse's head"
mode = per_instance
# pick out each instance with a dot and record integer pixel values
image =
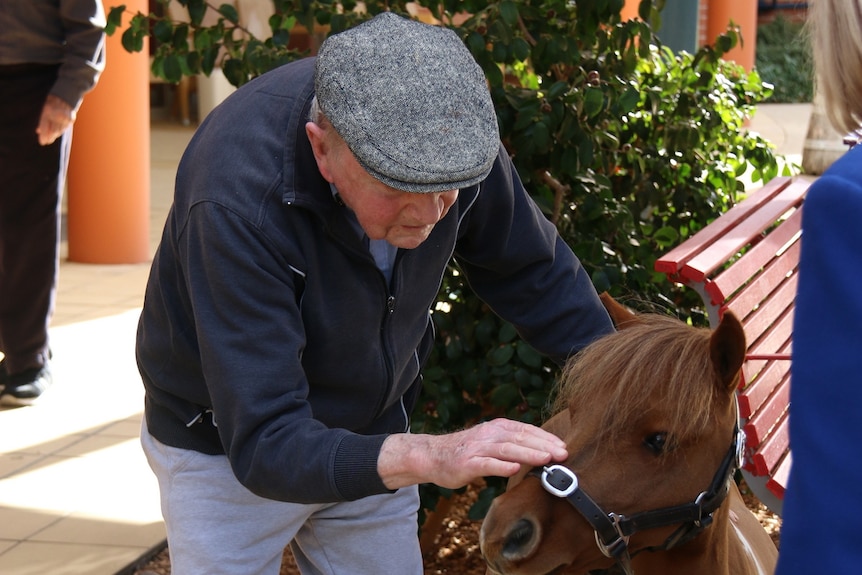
(648, 415)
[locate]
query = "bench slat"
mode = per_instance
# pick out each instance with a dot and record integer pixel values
(776, 256)
(777, 339)
(778, 481)
(758, 391)
(770, 313)
(759, 429)
(721, 250)
(772, 450)
(673, 261)
(778, 273)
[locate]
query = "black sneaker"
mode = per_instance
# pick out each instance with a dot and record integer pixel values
(26, 387)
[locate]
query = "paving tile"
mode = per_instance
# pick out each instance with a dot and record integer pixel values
(78, 529)
(18, 524)
(36, 558)
(16, 462)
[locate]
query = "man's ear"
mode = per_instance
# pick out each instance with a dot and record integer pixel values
(322, 149)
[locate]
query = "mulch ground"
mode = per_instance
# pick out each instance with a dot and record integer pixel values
(456, 547)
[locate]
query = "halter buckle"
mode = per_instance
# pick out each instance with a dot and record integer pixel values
(559, 480)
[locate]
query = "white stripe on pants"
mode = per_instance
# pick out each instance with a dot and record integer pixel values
(218, 527)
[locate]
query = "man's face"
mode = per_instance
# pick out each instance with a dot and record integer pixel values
(403, 219)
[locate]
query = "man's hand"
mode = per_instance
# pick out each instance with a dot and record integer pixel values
(56, 116)
(497, 448)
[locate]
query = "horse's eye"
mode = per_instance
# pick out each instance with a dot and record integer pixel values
(657, 443)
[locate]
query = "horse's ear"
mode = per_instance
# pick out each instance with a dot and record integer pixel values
(620, 314)
(727, 350)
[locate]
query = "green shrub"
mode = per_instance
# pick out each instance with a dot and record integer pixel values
(783, 59)
(626, 146)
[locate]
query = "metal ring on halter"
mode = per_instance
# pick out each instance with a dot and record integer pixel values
(740, 448)
(614, 549)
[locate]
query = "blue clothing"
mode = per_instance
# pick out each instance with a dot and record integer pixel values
(824, 492)
(268, 332)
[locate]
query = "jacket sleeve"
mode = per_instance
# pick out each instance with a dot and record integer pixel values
(84, 55)
(516, 261)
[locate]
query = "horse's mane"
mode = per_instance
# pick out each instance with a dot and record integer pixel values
(657, 356)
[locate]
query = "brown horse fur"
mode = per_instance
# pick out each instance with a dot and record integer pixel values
(655, 378)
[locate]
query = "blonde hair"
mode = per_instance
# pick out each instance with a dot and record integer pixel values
(836, 33)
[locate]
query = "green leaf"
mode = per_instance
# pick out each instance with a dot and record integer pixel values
(114, 19)
(193, 62)
(509, 12)
(197, 11)
(132, 40)
(500, 52)
(528, 355)
(541, 136)
(585, 153)
(171, 68)
(557, 90)
(501, 355)
(594, 100)
(475, 42)
(645, 10)
(180, 40)
(281, 38)
(724, 43)
(666, 236)
(520, 49)
(600, 281)
(233, 72)
(507, 332)
(629, 100)
(208, 59)
(229, 12)
(163, 31)
(505, 394)
(203, 39)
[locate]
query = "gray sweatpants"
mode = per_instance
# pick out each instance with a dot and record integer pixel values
(217, 526)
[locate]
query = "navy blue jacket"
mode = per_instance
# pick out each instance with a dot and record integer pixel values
(824, 492)
(268, 332)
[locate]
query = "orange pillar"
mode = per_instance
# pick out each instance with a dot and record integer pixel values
(108, 196)
(630, 10)
(743, 13)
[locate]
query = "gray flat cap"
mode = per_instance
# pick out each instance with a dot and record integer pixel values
(410, 102)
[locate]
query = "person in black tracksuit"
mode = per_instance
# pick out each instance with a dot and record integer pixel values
(51, 54)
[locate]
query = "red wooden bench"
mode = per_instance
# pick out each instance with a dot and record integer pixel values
(746, 261)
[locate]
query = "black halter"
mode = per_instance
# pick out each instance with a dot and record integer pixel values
(613, 530)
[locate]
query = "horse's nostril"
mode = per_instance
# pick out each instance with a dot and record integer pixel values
(519, 539)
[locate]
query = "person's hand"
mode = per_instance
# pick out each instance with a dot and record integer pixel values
(497, 448)
(57, 115)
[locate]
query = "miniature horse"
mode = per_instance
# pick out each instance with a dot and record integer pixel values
(650, 419)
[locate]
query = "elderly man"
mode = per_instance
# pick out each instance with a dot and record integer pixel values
(287, 318)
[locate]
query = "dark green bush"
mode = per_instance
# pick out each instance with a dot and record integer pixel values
(628, 147)
(783, 59)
